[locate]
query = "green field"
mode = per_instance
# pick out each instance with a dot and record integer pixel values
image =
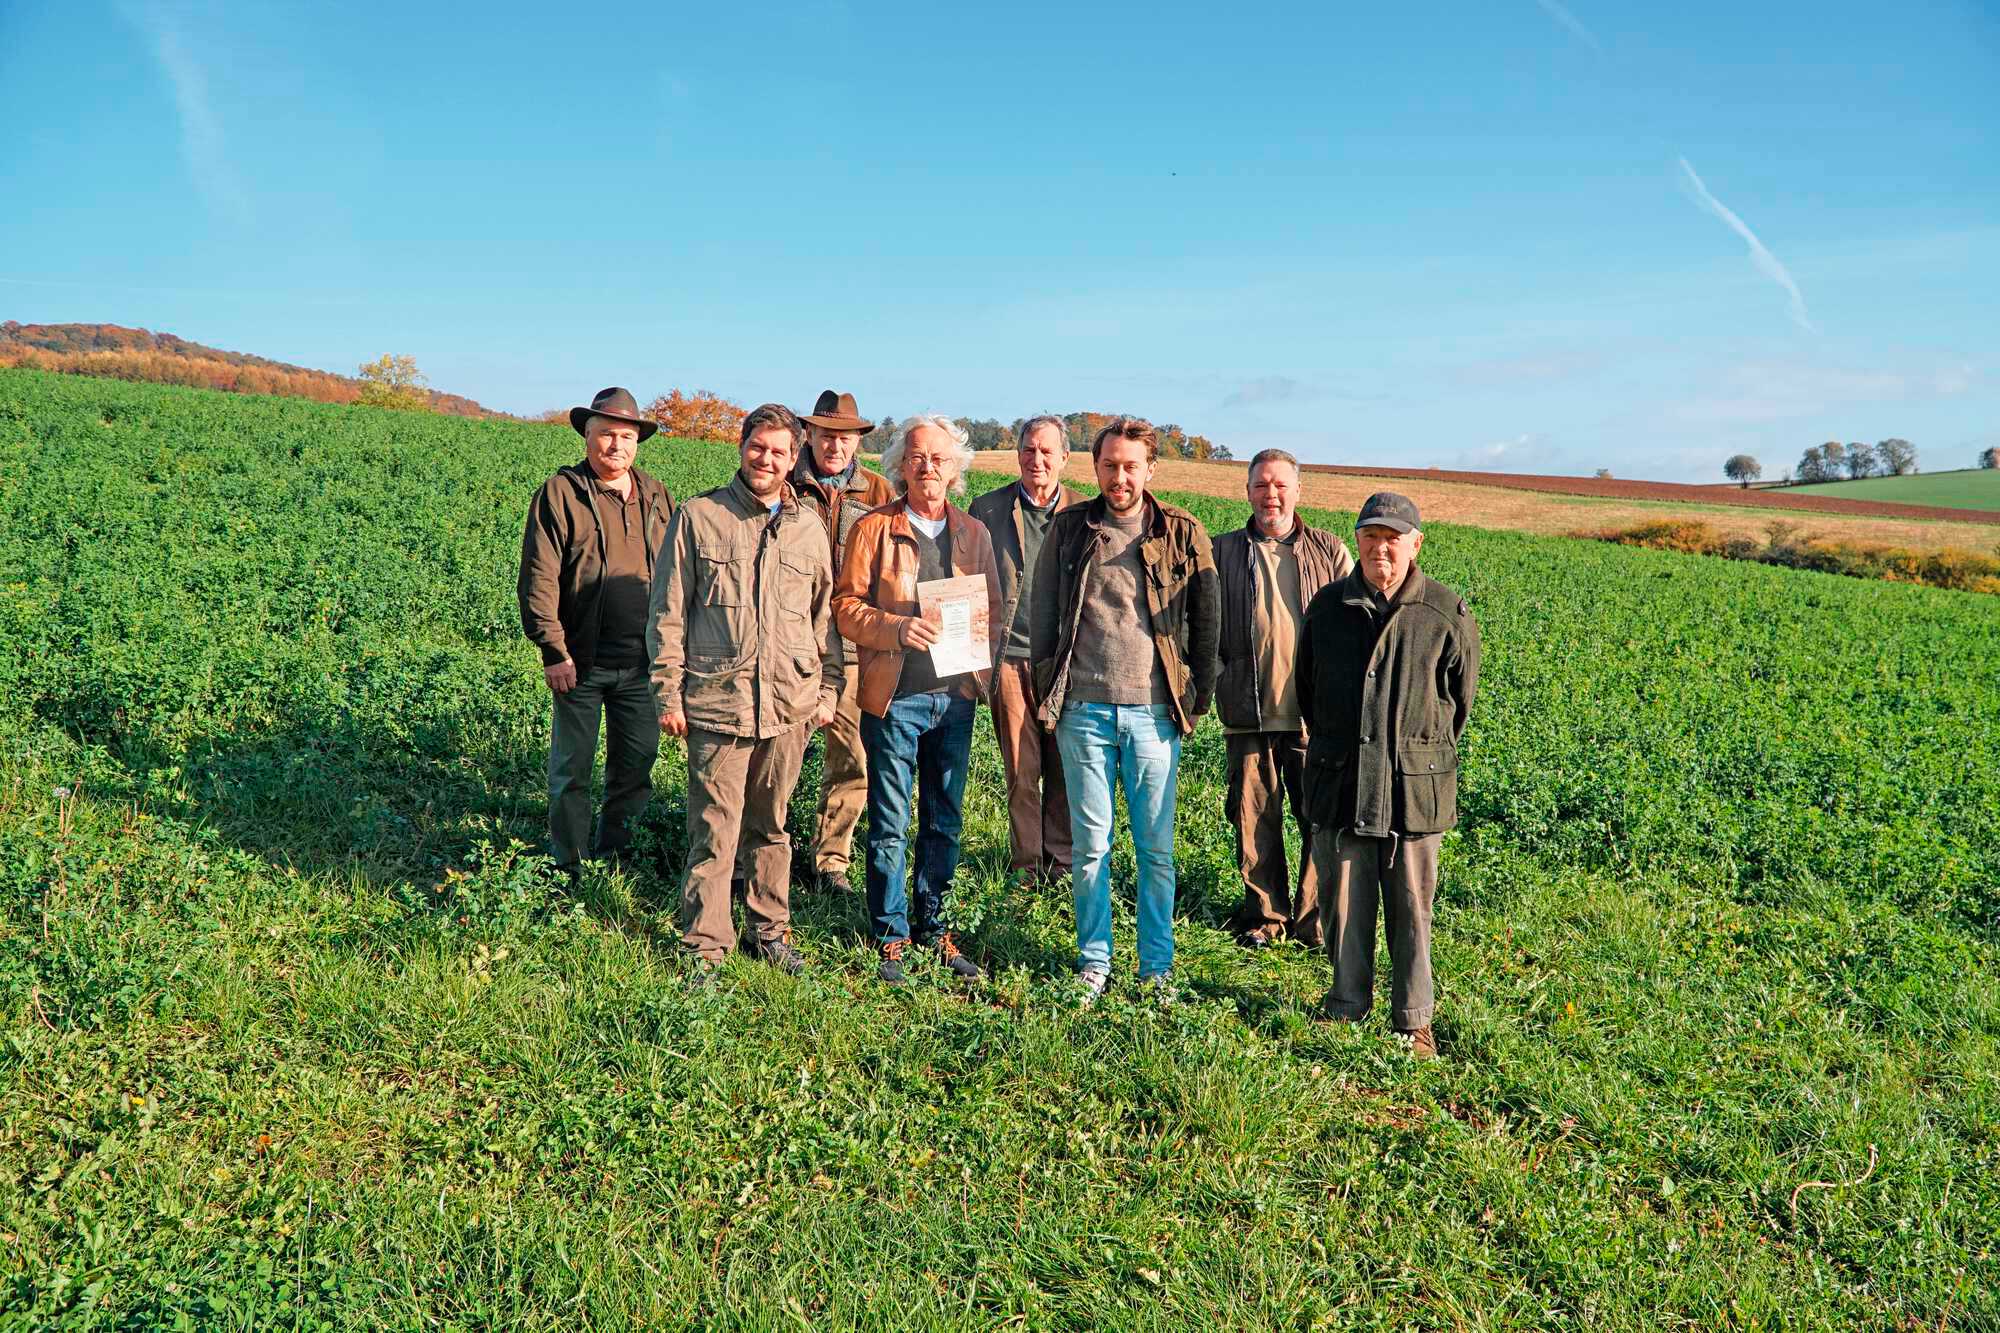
(292, 1038)
(1972, 488)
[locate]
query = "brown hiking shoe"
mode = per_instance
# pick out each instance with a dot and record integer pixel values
(949, 955)
(1423, 1045)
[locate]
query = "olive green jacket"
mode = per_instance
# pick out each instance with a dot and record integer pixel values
(1385, 695)
(741, 631)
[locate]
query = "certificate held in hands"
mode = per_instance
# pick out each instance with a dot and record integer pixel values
(958, 607)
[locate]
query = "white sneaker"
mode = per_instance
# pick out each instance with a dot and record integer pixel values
(1093, 980)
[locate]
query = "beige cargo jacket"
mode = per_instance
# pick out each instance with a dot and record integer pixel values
(740, 633)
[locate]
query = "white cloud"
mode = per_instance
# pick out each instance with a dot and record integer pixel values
(1759, 254)
(201, 131)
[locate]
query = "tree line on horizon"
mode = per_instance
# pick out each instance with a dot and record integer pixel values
(703, 415)
(1834, 461)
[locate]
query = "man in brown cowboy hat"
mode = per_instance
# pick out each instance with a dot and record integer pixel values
(830, 481)
(593, 533)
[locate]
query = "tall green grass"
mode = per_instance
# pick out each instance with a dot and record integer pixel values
(292, 1037)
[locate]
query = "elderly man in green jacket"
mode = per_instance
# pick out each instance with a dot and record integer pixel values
(1388, 666)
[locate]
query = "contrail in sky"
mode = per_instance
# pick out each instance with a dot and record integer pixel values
(1759, 255)
(1560, 13)
(201, 132)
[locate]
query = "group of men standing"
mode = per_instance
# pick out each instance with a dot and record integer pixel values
(786, 603)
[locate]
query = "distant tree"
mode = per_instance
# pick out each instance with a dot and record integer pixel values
(1814, 465)
(1603, 474)
(1861, 461)
(1990, 458)
(986, 434)
(394, 381)
(1742, 468)
(700, 415)
(1899, 457)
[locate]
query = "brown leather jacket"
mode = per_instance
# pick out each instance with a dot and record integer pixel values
(740, 631)
(1002, 517)
(877, 591)
(562, 561)
(1181, 597)
(1323, 559)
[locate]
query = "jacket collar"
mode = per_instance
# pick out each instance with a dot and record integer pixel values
(1065, 497)
(899, 520)
(751, 504)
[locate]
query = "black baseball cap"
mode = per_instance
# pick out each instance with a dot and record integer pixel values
(1386, 509)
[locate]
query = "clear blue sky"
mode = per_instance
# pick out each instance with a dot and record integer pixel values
(1458, 234)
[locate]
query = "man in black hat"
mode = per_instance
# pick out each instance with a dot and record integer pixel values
(593, 533)
(830, 481)
(1388, 664)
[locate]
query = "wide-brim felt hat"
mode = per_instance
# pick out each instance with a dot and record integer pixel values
(615, 404)
(837, 411)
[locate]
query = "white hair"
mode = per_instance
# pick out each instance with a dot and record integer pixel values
(961, 444)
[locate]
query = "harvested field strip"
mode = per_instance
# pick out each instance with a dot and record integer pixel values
(1611, 488)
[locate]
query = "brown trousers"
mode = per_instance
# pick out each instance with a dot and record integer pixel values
(843, 784)
(737, 794)
(1267, 771)
(1402, 874)
(1038, 833)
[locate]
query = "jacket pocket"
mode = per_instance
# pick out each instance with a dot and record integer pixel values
(1427, 778)
(724, 575)
(1323, 776)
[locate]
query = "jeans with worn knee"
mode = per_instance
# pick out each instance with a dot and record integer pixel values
(925, 739)
(1137, 746)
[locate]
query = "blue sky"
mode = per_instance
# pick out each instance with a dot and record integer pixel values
(1513, 234)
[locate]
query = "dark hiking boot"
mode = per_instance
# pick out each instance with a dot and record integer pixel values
(891, 969)
(1263, 937)
(829, 881)
(780, 954)
(948, 954)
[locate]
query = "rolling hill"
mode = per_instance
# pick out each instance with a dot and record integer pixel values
(1967, 488)
(112, 351)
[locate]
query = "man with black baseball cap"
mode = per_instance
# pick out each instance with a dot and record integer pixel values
(587, 552)
(1388, 664)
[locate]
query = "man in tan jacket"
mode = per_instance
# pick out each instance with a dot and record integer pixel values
(831, 482)
(745, 665)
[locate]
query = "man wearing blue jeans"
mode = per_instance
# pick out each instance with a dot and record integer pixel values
(915, 724)
(1126, 619)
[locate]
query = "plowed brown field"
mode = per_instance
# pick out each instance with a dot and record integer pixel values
(1573, 505)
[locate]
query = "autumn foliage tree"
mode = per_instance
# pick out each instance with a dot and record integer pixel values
(395, 382)
(700, 415)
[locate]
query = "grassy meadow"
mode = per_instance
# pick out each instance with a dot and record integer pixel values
(1968, 488)
(292, 1037)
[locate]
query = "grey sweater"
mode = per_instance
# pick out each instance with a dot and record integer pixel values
(1115, 661)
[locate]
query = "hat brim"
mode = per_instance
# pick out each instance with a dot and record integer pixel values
(1384, 521)
(862, 424)
(579, 415)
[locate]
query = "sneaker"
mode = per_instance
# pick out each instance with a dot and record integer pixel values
(891, 968)
(1162, 986)
(1423, 1045)
(1093, 980)
(780, 954)
(949, 955)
